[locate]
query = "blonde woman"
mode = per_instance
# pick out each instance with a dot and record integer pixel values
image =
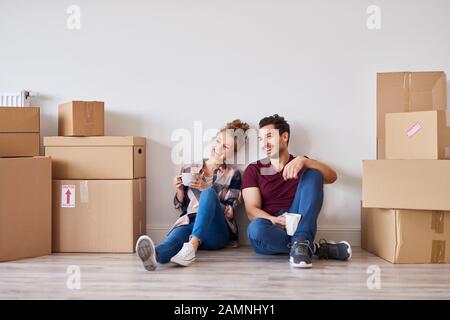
(206, 205)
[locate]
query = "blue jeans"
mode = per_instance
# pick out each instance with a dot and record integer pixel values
(267, 238)
(209, 226)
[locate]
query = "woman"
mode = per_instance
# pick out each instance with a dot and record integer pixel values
(207, 206)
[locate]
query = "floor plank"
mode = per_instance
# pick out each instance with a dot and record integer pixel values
(226, 274)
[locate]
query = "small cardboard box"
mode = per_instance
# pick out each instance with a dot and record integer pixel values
(98, 215)
(406, 184)
(19, 131)
(407, 92)
(417, 135)
(25, 207)
(81, 118)
(406, 236)
(96, 157)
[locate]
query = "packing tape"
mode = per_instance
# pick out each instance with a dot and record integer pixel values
(84, 192)
(88, 112)
(407, 79)
(438, 251)
(140, 190)
(437, 221)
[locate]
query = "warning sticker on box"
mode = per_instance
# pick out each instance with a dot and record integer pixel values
(67, 196)
(413, 130)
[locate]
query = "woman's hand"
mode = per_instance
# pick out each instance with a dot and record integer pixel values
(199, 184)
(178, 183)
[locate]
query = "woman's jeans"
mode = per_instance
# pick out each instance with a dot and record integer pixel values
(209, 226)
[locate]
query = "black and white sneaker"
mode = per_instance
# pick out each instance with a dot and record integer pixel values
(145, 249)
(332, 250)
(299, 255)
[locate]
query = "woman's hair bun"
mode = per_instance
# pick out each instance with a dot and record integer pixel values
(236, 125)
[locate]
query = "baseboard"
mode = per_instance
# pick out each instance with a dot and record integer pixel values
(351, 234)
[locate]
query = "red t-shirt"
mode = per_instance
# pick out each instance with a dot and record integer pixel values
(276, 193)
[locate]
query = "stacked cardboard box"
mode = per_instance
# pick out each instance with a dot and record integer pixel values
(25, 186)
(406, 208)
(99, 196)
(81, 118)
(19, 131)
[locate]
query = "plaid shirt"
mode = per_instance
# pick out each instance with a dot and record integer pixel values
(226, 182)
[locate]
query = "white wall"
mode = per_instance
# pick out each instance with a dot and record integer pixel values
(159, 65)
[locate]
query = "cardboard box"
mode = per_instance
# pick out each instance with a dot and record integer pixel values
(25, 207)
(417, 135)
(81, 118)
(96, 157)
(19, 119)
(407, 92)
(19, 131)
(19, 144)
(406, 184)
(98, 215)
(406, 236)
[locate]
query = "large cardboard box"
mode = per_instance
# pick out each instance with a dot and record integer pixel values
(406, 236)
(19, 131)
(417, 135)
(98, 215)
(407, 92)
(81, 118)
(406, 184)
(25, 207)
(96, 157)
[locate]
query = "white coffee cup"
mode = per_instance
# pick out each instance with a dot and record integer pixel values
(292, 220)
(186, 178)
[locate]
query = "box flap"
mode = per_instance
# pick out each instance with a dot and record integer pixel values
(422, 236)
(378, 232)
(94, 141)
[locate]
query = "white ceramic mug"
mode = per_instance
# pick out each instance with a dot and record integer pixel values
(186, 178)
(292, 220)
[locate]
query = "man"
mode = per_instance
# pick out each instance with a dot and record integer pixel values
(283, 183)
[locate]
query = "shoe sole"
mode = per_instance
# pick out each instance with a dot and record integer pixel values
(183, 263)
(301, 265)
(145, 249)
(349, 250)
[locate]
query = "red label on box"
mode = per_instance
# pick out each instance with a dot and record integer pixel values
(413, 130)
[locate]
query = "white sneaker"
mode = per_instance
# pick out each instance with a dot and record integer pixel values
(185, 256)
(145, 249)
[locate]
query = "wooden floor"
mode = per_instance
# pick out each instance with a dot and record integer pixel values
(227, 274)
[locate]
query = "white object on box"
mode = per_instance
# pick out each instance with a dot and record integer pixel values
(17, 99)
(67, 196)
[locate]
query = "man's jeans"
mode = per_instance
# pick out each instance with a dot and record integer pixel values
(267, 238)
(210, 227)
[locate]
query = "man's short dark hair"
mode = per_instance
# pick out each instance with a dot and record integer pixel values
(278, 122)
